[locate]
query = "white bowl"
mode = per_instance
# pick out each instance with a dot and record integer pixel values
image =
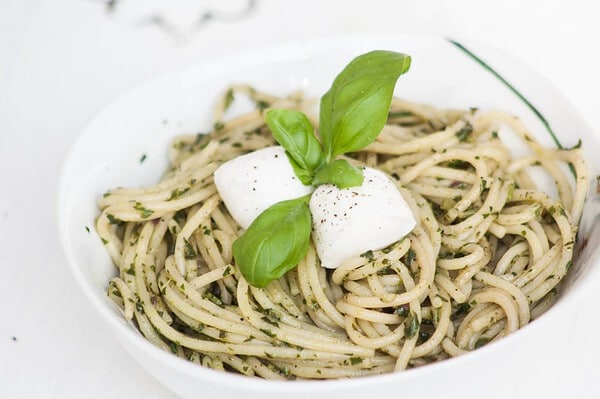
(142, 122)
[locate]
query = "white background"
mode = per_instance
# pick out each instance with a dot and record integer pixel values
(62, 61)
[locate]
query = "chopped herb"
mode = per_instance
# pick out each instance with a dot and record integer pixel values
(139, 306)
(484, 184)
(368, 255)
(112, 219)
(269, 333)
(130, 270)
(494, 134)
(262, 105)
(189, 251)
(143, 158)
(178, 192)
(396, 176)
(465, 133)
(173, 347)
(481, 342)
(410, 256)
(461, 308)
(104, 240)
(412, 325)
(144, 212)
(180, 216)
(228, 99)
(87, 229)
(356, 360)
(227, 271)
(214, 299)
(237, 145)
(218, 126)
(206, 231)
(266, 319)
(271, 316)
(458, 164)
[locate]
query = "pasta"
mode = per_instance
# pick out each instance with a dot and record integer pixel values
(486, 257)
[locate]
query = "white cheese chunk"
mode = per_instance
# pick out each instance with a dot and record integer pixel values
(251, 183)
(351, 221)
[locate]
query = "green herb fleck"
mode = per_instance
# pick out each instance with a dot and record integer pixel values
(189, 251)
(368, 255)
(228, 99)
(356, 360)
(130, 270)
(411, 325)
(178, 192)
(262, 105)
(144, 212)
(269, 333)
(464, 134)
(112, 219)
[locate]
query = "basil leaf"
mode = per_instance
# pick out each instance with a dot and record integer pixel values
(295, 133)
(275, 242)
(340, 173)
(355, 108)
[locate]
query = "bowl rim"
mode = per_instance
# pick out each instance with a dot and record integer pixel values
(251, 57)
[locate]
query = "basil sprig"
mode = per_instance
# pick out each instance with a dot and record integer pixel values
(355, 109)
(352, 114)
(295, 133)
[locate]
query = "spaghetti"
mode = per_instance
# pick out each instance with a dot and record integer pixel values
(485, 258)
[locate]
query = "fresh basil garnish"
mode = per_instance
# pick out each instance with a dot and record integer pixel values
(275, 242)
(355, 109)
(352, 114)
(294, 132)
(340, 173)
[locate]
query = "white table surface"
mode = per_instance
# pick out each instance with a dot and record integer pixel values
(61, 61)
